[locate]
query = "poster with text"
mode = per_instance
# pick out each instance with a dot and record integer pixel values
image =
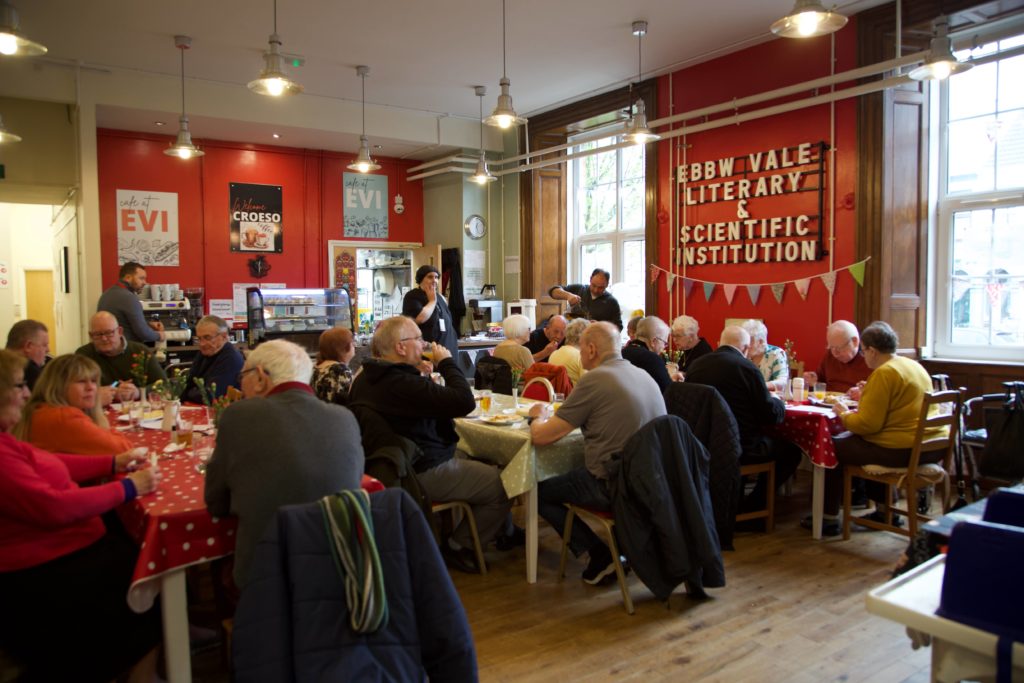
(366, 205)
(256, 218)
(147, 227)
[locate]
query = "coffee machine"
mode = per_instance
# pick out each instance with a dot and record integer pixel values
(486, 310)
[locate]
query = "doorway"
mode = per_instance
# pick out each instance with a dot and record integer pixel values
(39, 302)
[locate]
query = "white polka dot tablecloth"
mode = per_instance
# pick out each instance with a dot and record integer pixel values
(811, 428)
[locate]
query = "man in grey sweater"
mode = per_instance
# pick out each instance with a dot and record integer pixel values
(280, 446)
(122, 301)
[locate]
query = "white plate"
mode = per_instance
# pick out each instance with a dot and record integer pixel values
(501, 420)
(149, 416)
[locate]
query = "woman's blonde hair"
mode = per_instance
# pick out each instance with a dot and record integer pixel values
(10, 363)
(52, 389)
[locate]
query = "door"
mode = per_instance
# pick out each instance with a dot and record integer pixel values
(39, 301)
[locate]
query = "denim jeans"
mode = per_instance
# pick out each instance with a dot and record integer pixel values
(579, 487)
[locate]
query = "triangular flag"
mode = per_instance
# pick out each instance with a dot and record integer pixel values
(709, 288)
(777, 290)
(802, 286)
(655, 272)
(829, 280)
(730, 291)
(670, 282)
(857, 271)
(687, 287)
(755, 293)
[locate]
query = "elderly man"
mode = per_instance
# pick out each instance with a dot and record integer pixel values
(280, 446)
(123, 302)
(115, 356)
(612, 401)
(31, 339)
(843, 367)
(392, 385)
(591, 301)
(686, 339)
(218, 363)
(426, 305)
(644, 351)
(568, 354)
(546, 340)
(743, 387)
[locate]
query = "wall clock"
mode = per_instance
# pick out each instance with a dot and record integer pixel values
(475, 226)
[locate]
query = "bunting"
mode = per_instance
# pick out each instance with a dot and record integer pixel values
(857, 271)
(670, 281)
(709, 289)
(829, 280)
(754, 291)
(777, 291)
(655, 272)
(730, 291)
(802, 286)
(687, 286)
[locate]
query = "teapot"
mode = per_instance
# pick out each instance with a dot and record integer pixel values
(489, 291)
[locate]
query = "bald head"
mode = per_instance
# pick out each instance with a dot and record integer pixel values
(105, 334)
(736, 337)
(843, 340)
(102, 319)
(598, 343)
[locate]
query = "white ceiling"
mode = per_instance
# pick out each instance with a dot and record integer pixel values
(424, 55)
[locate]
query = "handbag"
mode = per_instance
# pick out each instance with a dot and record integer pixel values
(1003, 457)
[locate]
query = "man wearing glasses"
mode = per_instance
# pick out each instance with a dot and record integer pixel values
(644, 351)
(114, 354)
(218, 363)
(843, 368)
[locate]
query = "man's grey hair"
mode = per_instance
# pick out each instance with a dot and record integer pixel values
(574, 330)
(221, 323)
(685, 324)
(605, 337)
(515, 326)
(22, 332)
(652, 327)
(756, 329)
(283, 361)
(844, 326)
(736, 337)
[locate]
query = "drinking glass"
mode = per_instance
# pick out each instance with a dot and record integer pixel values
(485, 401)
(557, 400)
(136, 410)
(819, 391)
(184, 434)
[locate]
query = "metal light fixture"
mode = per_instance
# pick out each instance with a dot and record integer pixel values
(637, 131)
(273, 80)
(482, 175)
(504, 114)
(183, 147)
(364, 163)
(6, 135)
(941, 64)
(12, 42)
(808, 19)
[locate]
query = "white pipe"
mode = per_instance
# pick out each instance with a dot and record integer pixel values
(443, 160)
(832, 183)
(439, 171)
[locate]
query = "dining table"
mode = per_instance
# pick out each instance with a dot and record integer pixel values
(524, 465)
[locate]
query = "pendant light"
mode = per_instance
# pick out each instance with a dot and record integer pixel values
(6, 135)
(273, 80)
(183, 147)
(504, 114)
(12, 42)
(637, 131)
(482, 175)
(808, 19)
(364, 163)
(940, 64)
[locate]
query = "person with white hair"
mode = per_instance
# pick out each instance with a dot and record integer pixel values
(516, 328)
(280, 446)
(769, 359)
(568, 354)
(843, 367)
(651, 339)
(686, 338)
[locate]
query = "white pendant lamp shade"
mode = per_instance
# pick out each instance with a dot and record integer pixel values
(482, 176)
(363, 163)
(940, 64)
(183, 147)
(637, 131)
(13, 43)
(6, 135)
(504, 114)
(273, 80)
(808, 19)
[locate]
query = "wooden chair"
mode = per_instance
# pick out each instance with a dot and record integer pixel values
(463, 508)
(606, 520)
(768, 513)
(915, 475)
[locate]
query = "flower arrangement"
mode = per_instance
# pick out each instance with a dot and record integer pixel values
(139, 368)
(790, 351)
(173, 387)
(208, 392)
(672, 356)
(221, 403)
(517, 377)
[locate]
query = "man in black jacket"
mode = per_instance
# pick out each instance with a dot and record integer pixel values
(420, 410)
(743, 387)
(651, 339)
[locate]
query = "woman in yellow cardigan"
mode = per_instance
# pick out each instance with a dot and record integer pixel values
(63, 414)
(881, 431)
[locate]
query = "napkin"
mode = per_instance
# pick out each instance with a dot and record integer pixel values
(174, 447)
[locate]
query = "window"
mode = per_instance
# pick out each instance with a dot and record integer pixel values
(980, 252)
(606, 216)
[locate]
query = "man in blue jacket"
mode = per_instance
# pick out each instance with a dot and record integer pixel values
(218, 364)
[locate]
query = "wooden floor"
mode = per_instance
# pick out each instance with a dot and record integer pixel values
(792, 610)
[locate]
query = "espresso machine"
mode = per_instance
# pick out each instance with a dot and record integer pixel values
(486, 310)
(174, 315)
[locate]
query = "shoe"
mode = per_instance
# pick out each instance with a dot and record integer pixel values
(879, 516)
(859, 502)
(516, 539)
(461, 559)
(829, 527)
(600, 567)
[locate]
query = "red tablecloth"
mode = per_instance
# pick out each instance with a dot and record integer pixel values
(811, 428)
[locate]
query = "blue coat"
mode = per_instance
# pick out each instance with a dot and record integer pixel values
(292, 620)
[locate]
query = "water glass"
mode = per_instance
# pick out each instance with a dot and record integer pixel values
(136, 411)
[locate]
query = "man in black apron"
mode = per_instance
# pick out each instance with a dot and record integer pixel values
(426, 305)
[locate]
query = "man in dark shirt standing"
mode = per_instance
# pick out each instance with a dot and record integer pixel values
(426, 305)
(643, 352)
(592, 302)
(122, 301)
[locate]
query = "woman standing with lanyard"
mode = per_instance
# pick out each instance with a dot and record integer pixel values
(427, 307)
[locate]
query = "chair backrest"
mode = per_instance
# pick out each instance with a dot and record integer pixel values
(940, 410)
(539, 389)
(557, 375)
(494, 374)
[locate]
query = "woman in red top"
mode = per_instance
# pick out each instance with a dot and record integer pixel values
(63, 414)
(63, 575)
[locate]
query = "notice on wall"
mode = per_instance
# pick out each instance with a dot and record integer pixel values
(366, 205)
(5, 275)
(223, 308)
(256, 218)
(238, 295)
(511, 265)
(147, 227)
(474, 269)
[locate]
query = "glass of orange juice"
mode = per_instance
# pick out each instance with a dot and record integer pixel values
(485, 401)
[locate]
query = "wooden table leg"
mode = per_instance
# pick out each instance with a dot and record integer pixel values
(531, 535)
(174, 607)
(817, 501)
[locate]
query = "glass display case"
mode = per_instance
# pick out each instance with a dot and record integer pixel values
(299, 315)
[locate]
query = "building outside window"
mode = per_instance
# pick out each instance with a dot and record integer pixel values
(980, 248)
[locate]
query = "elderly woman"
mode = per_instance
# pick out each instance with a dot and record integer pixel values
(568, 355)
(63, 574)
(770, 360)
(512, 351)
(332, 376)
(63, 413)
(686, 338)
(882, 430)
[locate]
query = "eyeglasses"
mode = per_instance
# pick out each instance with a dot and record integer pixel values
(243, 373)
(209, 337)
(106, 334)
(842, 346)
(417, 338)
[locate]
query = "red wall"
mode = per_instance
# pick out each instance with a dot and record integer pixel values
(311, 182)
(758, 69)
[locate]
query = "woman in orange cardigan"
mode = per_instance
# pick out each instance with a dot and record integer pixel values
(64, 413)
